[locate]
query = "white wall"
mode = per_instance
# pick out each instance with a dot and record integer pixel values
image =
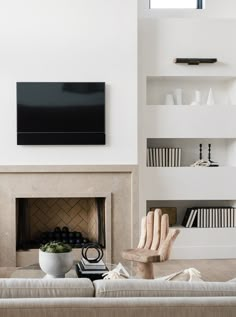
(71, 40)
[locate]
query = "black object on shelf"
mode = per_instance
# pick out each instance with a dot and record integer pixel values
(212, 163)
(195, 61)
(200, 151)
(91, 276)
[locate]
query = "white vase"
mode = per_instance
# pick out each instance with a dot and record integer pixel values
(210, 98)
(179, 96)
(169, 100)
(197, 99)
(55, 265)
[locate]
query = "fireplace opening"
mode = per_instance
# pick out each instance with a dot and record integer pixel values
(75, 221)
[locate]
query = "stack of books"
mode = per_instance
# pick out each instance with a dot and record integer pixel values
(93, 271)
(213, 217)
(163, 157)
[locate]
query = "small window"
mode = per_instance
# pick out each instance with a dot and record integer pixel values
(176, 4)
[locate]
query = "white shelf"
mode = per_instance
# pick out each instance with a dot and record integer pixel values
(190, 121)
(186, 183)
(205, 243)
(159, 86)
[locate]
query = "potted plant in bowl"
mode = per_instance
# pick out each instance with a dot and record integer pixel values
(55, 259)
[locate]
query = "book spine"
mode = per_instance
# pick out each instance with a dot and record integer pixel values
(176, 157)
(222, 218)
(154, 157)
(201, 220)
(164, 157)
(229, 217)
(148, 157)
(213, 218)
(170, 157)
(204, 218)
(232, 217)
(173, 157)
(189, 218)
(167, 157)
(157, 157)
(193, 218)
(151, 158)
(210, 220)
(226, 217)
(218, 219)
(198, 218)
(179, 157)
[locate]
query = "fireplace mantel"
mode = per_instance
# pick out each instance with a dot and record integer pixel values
(132, 169)
(119, 182)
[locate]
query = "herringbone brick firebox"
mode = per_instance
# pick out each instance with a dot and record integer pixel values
(39, 217)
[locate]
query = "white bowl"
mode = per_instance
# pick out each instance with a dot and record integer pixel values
(55, 265)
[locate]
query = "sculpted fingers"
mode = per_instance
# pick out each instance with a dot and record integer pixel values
(150, 222)
(156, 229)
(143, 234)
(164, 226)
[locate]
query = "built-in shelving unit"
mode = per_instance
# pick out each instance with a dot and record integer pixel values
(186, 125)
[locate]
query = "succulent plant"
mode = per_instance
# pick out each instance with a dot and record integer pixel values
(55, 247)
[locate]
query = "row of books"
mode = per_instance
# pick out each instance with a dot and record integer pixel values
(163, 157)
(218, 217)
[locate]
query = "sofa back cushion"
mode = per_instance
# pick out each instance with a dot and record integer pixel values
(152, 288)
(62, 287)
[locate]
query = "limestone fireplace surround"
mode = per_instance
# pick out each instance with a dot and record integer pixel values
(117, 184)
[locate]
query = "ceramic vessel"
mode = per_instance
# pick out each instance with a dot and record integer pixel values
(197, 100)
(210, 98)
(179, 96)
(55, 265)
(169, 100)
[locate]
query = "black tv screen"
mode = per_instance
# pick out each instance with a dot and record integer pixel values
(60, 113)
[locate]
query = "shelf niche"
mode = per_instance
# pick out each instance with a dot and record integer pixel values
(182, 206)
(223, 88)
(223, 151)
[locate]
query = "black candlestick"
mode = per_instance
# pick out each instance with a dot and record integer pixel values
(209, 152)
(200, 149)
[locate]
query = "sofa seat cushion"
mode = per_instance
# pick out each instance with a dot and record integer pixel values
(62, 287)
(153, 288)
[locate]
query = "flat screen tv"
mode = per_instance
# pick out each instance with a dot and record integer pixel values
(60, 113)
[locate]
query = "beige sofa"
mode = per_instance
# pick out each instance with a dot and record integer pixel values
(125, 298)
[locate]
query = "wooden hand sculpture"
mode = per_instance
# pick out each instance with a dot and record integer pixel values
(154, 245)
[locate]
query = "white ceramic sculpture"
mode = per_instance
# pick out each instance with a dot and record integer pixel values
(169, 100)
(55, 265)
(179, 96)
(210, 98)
(197, 99)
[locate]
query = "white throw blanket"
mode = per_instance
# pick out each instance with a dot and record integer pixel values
(189, 275)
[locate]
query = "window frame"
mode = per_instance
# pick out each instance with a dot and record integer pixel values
(199, 6)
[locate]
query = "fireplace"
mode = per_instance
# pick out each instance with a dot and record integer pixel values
(116, 185)
(75, 221)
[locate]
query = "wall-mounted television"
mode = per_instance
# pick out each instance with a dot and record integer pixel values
(52, 113)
